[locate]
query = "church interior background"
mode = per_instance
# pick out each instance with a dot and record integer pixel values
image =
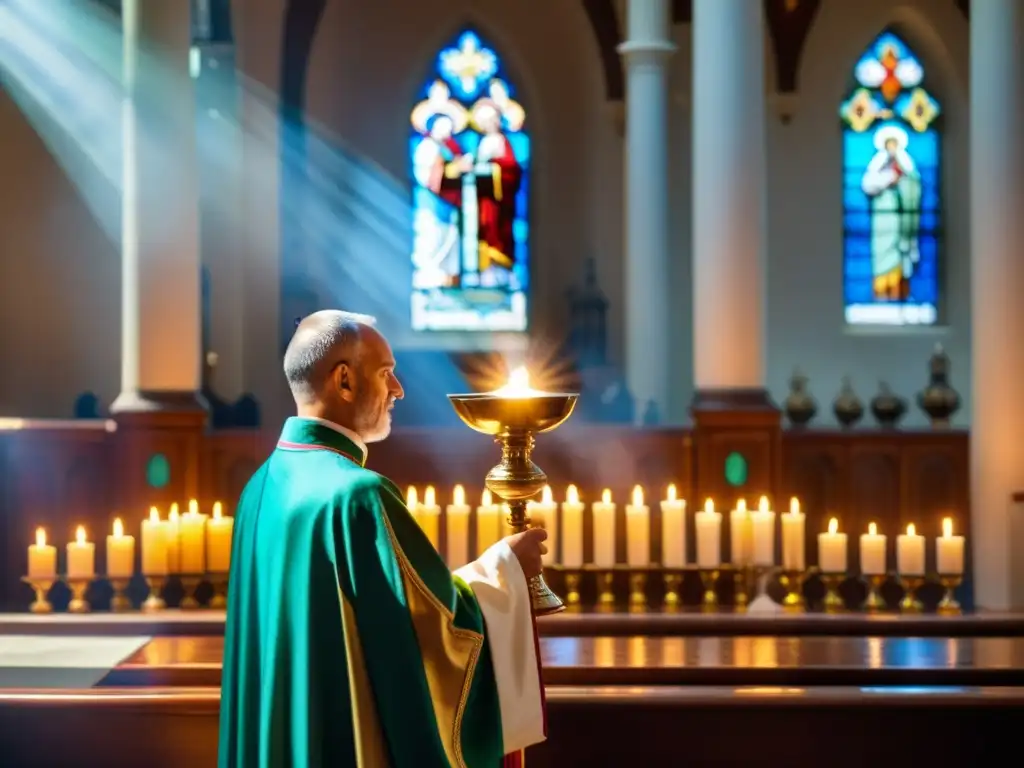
(775, 245)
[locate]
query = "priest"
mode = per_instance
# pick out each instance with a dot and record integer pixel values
(348, 640)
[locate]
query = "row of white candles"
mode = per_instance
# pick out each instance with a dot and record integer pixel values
(752, 534)
(192, 543)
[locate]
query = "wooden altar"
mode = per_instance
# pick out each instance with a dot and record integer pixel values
(63, 474)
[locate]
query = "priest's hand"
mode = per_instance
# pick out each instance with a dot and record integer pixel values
(528, 546)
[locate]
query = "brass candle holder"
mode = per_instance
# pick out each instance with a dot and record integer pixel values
(120, 603)
(189, 584)
(792, 581)
(638, 591)
(949, 605)
(744, 585)
(910, 603)
(606, 590)
(709, 580)
(833, 601)
(874, 602)
(219, 582)
(154, 601)
(513, 415)
(673, 581)
(42, 588)
(78, 585)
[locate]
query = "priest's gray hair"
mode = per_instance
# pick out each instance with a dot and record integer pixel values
(321, 341)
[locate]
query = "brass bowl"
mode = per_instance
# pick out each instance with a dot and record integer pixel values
(496, 414)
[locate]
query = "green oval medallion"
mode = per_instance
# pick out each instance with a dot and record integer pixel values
(735, 469)
(158, 471)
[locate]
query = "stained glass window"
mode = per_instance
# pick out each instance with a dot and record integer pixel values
(469, 155)
(891, 190)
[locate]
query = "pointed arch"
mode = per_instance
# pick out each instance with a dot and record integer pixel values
(891, 188)
(469, 164)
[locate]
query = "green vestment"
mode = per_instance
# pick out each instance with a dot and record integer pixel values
(348, 640)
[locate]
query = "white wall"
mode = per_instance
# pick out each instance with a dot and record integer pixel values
(365, 73)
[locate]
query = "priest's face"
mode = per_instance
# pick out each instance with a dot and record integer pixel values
(376, 387)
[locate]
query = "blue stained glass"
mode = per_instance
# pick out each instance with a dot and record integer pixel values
(470, 166)
(891, 189)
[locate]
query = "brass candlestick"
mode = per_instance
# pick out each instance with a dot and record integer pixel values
(709, 579)
(792, 582)
(743, 580)
(874, 601)
(219, 582)
(606, 590)
(154, 601)
(637, 591)
(189, 584)
(910, 603)
(673, 581)
(78, 585)
(119, 603)
(950, 581)
(833, 602)
(42, 589)
(513, 416)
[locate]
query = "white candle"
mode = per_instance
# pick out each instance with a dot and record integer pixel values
(544, 514)
(154, 545)
(430, 516)
(42, 558)
(910, 553)
(219, 529)
(673, 530)
(173, 539)
(832, 549)
(572, 529)
(793, 538)
(949, 551)
(488, 523)
(763, 524)
(708, 524)
(81, 556)
(638, 530)
(120, 553)
(192, 540)
(457, 529)
(872, 552)
(603, 514)
(741, 535)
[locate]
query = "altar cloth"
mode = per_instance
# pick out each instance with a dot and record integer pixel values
(42, 661)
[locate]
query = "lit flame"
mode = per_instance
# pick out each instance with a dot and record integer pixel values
(606, 496)
(794, 506)
(218, 510)
(118, 528)
(458, 496)
(485, 499)
(193, 507)
(872, 529)
(833, 526)
(40, 537)
(572, 496)
(546, 496)
(429, 497)
(911, 530)
(411, 497)
(518, 384)
(638, 496)
(154, 515)
(947, 527)
(709, 507)
(173, 514)
(741, 506)
(670, 494)
(80, 534)
(762, 505)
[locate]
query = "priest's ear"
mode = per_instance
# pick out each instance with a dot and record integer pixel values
(344, 380)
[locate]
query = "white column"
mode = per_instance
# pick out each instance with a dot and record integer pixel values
(648, 338)
(997, 286)
(160, 290)
(729, 194)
